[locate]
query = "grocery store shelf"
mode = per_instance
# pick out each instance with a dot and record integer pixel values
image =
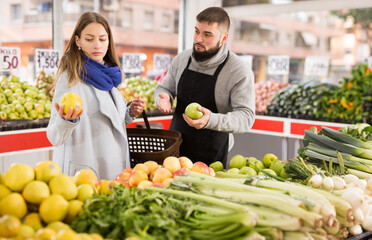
(20, 141)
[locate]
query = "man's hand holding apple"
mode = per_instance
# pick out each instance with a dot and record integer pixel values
(200, 122)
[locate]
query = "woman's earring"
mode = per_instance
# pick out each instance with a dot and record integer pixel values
(79, 48)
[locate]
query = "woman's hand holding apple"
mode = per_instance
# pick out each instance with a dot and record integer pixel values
(71, 113)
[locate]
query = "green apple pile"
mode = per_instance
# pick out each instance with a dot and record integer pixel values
(45, 83)
(143, 87)
(19, 100)
(252, 166)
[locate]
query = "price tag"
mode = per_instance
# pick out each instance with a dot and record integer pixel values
(278, 65)
(46, 60)
(132, 62)
(248, 59)
(369, 61)
(161, 62)
(10, 58)
(316, 66)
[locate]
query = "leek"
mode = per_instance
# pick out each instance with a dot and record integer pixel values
(345, 138)
(343, 147)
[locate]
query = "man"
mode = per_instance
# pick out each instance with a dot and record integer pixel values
(216, 78)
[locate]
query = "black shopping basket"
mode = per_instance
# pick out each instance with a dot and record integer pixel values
(152, 144)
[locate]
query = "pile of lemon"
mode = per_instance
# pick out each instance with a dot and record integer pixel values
(39, 202)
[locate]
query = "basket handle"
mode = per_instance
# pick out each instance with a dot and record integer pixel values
(144, 115)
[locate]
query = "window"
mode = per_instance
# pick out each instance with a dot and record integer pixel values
(16, 12)
(44, 7)
(149, 19)
(127, 18)
(165, 22)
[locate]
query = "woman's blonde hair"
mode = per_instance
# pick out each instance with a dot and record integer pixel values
(72, 59)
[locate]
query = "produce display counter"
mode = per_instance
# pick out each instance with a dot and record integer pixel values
(19, 141)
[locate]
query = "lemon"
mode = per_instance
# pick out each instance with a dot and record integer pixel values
(35, 192)
(9, 226)
(58, 225)
(13, 204)
(85, 191)
(46, 170)
(74, 208)
(96, 236)
(85, 176)
(53, 208)
(18, 175)
(25, 232)
(33, 220)
(4, 191)
(2, 178)
(45, 234)
(84, 236)
(63, 185)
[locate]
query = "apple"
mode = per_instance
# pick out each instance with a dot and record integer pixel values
(5, 108)
(122, 176)
(161, 174)
(3, 78)
(3, 98)
(39, 108)
(47, 115)
(15, 102)
(185, 162)
(276, 166)
(182, 171)
(143, 167)
(255, 164)
(48, 106)
(13, 115)
(3, 115)
(200, 167)
(238, 161)
(247, 170)
(11, 98)
(32, 114)
(21, 100)
(71, 99)
(144, 184)
(217, 166)
(152, 165)
(233, 170)
(5, 85)
(8, 92)
(12, 107)
(25, 86)
(14, 79)
(42, 96)
(136, 177)
(268, 159)
(172, 164)
(192, 111)
(28, 106)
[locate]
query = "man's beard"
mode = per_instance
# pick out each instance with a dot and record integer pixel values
(205, 55)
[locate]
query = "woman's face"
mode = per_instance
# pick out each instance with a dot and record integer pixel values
(94, 41)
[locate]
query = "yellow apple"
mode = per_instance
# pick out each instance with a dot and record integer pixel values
(73, 100)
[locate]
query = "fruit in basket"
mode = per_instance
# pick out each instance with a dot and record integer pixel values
(13, 204)
(71, 99)
(268, 159)
(192, 111)
(35, 192)
(200, 167)
(53, 208)
(172, 164)
(18, 175)
(238, 161)
(185, 162)
(85, 176)
(63, 185)
(9, 226)
(46, 170)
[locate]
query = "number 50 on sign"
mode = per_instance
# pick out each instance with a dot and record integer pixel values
(10, 58)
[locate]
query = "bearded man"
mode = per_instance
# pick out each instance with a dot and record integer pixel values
(216, 78)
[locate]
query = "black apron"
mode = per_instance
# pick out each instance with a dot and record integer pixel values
(199, 144)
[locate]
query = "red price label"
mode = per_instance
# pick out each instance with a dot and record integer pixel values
(9, 58)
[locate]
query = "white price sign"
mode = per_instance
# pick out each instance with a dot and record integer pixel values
(248, 59)
(278, 65)
(132, 62)
(46, 60)
(316, 66)
(10, 58)
(161, 62)
(369, 61)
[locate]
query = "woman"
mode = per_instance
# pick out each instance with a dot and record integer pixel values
(95, 138)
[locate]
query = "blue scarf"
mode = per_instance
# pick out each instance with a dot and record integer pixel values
(101, 76)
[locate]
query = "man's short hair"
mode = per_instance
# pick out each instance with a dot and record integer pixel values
(215, 15)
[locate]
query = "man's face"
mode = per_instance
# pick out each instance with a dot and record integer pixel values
(207, 40)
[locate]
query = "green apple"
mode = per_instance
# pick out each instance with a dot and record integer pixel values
(48, 106)
(11, 98)
(20, 108)
(283, 174)
(5, 85)
(13, 115)
(233, 170)
(19, 91)
(217, 166)
(276, 166)
(5, 108)
(39, 108)
(268, 159)
(2, 98)
(28, 106)
(8, 92)
(21, 100)
(12, 107)
(32, 114)
(42, 96)
(23, 115)
(3, 78)
(255, 163)
(3, 115)
(192, 111)
(14, 79)
(237, 161)
(247, 170)
(15, 86)
(25, 86)
(47, 115)
(15, 102)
